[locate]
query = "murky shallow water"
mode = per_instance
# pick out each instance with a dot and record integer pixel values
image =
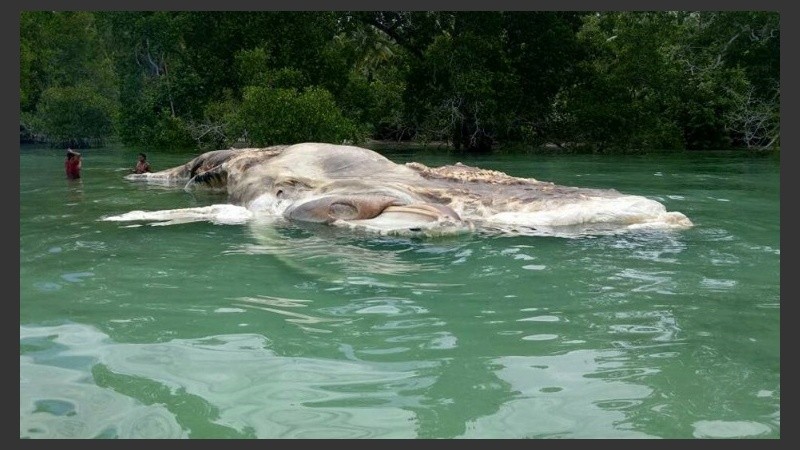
(258, 330)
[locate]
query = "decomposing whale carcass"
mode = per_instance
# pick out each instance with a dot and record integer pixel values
(349, 186)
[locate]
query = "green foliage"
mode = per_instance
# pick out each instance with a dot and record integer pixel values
(453, 91)
(67, 86)
(219, 119)
(254, 70)
(377, 105)
(490, 76)
(625, 83)
(252, 67)
(75, 116)
(375, 66)
(170, 132)
(733, 61)
(600, 81)
(27, 101)
(653, 80)
(269, 116)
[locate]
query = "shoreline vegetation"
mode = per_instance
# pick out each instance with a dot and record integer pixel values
(494, 81)
(388, 147)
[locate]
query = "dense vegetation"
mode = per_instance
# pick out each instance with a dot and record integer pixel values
(596, 81)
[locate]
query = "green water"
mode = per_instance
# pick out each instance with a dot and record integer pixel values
(201, 330)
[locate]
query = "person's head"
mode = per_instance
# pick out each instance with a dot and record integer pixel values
(142, 157)
(70, 153)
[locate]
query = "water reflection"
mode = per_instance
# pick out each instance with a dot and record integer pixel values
(59, 403)
(251, 391)
(282, 306)
(94, 412)
(244, 386)
(76, 382)
(557, 396)
(721, 429)
(74, 192)
(340, 256)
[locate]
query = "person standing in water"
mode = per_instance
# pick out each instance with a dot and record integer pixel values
(142, 165)
(72, 164)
